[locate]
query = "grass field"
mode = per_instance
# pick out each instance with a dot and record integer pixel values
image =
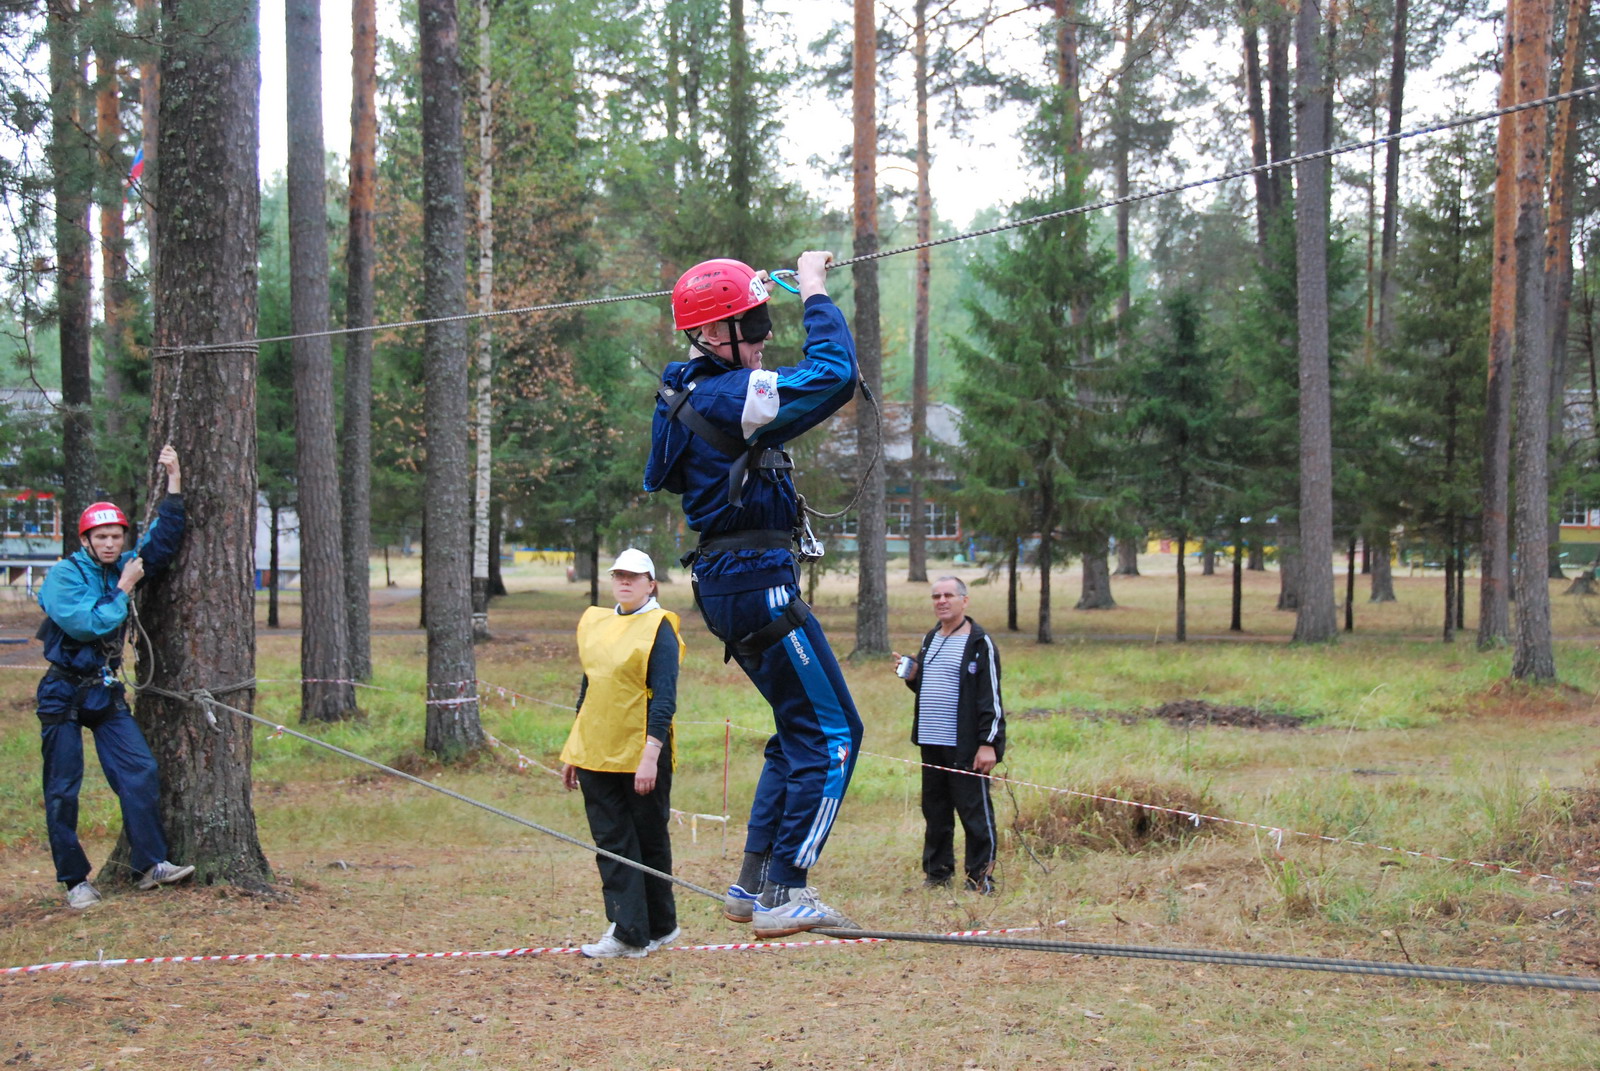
(1397, 740)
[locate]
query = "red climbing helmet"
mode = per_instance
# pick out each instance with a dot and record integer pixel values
(102, 513)
(716, 290)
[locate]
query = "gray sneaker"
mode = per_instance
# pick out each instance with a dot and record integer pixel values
(611, 947)
(801, 909)
(664, 940)
(164, 873)
(82, 895)
(738, 905)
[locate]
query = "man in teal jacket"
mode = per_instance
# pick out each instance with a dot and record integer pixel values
(87, 599)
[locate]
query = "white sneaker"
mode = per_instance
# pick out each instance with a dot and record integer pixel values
(665, 940)
(801, 909)
(82, 895)
(164, 873)
(611, 947)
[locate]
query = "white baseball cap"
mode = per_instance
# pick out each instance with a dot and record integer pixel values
(634, 560)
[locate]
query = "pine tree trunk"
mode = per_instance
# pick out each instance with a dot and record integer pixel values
(1046, 562)
(917, 537)
(1558, 256)
(1095, 591)
(1382, 569)
(1127, 557)
(1208, 561)
(1256, 109)
(1451, 579)
(485, 398)
(325, 693)
(200, 613)
(1387, 288)
(72, 173)
(1315, 621)
(497, 583)
(453, 727)
(147, 22)
(1236, 615)
(274, 563)
(360, 259)
(1494, 609)
(1350, 587)
(1288, 570)
(1182, 613)
(1534, 654)
(118, 315)
(1257, 560)
(1012, 624)
(872, 591)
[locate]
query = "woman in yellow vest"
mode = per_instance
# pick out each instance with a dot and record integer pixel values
(630, 655)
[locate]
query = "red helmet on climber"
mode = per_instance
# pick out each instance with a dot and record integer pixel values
(720, 289)
(102, 513)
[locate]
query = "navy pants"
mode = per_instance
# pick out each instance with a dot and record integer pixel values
(130, 770)
(810, 758)
(635, 827)
(944, 796)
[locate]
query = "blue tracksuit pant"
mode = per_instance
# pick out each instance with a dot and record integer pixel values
(130, 770)
(810, 758)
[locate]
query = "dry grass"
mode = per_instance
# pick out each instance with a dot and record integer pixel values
(1405, 743)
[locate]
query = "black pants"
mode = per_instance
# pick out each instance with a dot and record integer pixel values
(944, 796)
(635, 827)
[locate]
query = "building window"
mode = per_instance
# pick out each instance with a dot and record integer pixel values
(1574, 510)
(28, 514)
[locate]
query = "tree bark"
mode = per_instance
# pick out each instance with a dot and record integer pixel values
(325, 691)
(872, 591)
(1387, 288)
(72, 172)
(274, 561)
(1534, 654)
(1127, 557)
(1095, 591)
(200, 613)
(360, 260)
(147, 22)
(117, 331)
(1208, 561)
(1558, 256)
(485, 398)
(1494, 608)
(1256, 109)
(917, 537)
(1315, 621)
(1236, 616)
(453, 726)
(1181, 623)
(1382, 589)
(1350, 587)
(1012, 624)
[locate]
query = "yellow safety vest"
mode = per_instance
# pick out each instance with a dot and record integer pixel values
(614, 649)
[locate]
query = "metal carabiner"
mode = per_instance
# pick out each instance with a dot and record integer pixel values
(782, 276)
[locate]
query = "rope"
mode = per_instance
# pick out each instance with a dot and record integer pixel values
(1470, 975)
(1291, 161)
(206, 700)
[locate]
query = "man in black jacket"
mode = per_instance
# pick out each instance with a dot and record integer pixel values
(959, 723)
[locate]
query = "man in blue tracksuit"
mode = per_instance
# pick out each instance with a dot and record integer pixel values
(86, 598)
(720, 424)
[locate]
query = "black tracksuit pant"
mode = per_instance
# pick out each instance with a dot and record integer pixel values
(635, 827)
(944, 796)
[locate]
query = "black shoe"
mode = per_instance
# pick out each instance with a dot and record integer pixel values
(936, 883)
(983, 886)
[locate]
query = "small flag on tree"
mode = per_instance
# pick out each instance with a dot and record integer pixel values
(138, 166)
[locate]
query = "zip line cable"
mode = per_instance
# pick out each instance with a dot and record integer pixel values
(1115, 202)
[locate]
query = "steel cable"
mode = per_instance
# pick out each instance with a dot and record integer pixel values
(1291, 161)
(1469, 975)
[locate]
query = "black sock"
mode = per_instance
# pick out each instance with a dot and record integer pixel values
(753, 872)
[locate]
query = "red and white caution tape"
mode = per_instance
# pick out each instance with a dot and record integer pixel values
(503, 953)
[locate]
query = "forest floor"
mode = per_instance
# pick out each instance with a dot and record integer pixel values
(1388, 738)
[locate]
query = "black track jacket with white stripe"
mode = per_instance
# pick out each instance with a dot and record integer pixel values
(980, 716)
